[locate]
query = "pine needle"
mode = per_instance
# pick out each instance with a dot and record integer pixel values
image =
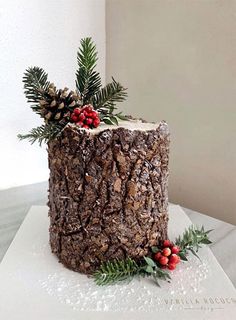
(36, 82)
(115, 271)
(192, 240)
(43, 133)
(113, 92)
(88, 81)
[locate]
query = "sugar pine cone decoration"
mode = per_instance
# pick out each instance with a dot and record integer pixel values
(57, 104)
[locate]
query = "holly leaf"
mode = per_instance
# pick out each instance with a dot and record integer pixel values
(182, 256)
(148, 269)
(107, 121)
(122, 116)
(114, 120)
(206, 241)
(154, 249)
(150, 262)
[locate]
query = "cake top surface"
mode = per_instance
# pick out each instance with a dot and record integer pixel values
(127, 124)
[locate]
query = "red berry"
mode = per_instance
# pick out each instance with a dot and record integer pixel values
(88, 107)
(171, 266)
(174, 258)
(79, 123)
(175, 249)
(82, 117)
(163, 267)
(96, 122)
(166, 243)
(163, 260)
(85, 113)
(73, 117)
(77, 111)
(85, 126)
(157, 256)
(93, 115)
(89, 121)
(166, 252)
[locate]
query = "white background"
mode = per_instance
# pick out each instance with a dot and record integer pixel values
(45, 34)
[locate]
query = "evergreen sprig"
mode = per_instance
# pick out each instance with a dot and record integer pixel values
(104, 102)
(106, 98)
(192, 240)
(116, 271)
(88, 81)
(43, 133)
(36, 83)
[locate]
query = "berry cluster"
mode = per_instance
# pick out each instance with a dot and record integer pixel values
(85, 117)
(167, 256)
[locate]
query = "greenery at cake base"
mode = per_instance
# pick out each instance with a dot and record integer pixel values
(164, 258)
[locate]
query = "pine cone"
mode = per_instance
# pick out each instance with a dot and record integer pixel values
(57, 104)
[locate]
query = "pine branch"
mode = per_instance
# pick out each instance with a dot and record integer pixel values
(116, 271)
(106, 98)
(36, 82)
(43, 133)
(88, 81)
(191, 241)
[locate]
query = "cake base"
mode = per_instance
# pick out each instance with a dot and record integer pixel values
(108, 193)
(32, 279)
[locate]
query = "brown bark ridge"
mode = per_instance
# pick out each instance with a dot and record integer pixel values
(107, 194)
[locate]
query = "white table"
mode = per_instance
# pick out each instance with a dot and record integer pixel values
(15, 203)
(32, 279)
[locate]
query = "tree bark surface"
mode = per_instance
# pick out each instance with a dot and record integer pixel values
(107, 194)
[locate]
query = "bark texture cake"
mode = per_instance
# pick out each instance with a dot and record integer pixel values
(108, 172)
(108, 196)
(108, 192)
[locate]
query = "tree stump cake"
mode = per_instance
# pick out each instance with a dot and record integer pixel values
(108, 192)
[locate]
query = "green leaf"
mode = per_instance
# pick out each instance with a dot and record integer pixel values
(155, 249)
(182, 256)
(114, 120)
(192, 239)
(121, 116)
(88, 81)
(150, 262)
(107, 121)
(148, 269)
(160, 274)
(206, 241)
